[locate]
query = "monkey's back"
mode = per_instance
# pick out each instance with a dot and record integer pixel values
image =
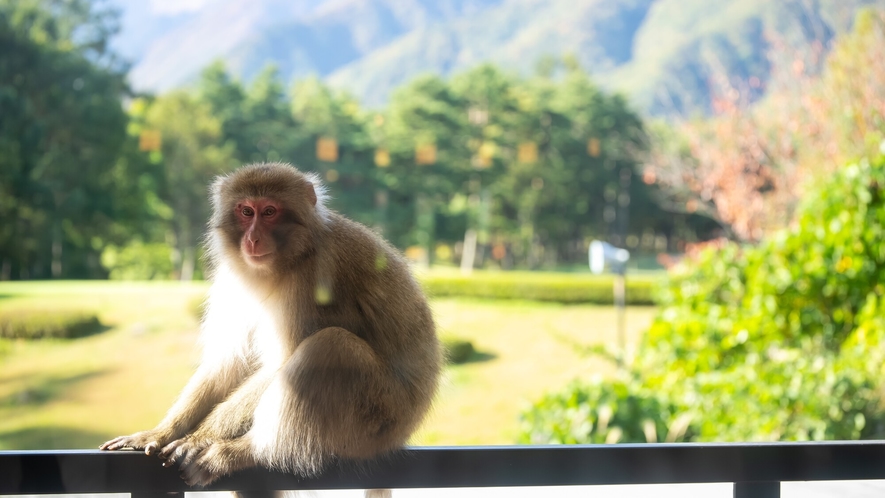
(375, 287)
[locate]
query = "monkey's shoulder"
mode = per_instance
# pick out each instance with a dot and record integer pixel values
(364, 261)
(359, 248)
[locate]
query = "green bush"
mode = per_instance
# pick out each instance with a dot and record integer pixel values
(138, 261)
(42, 324)
(569, 288)
(603, 412)
(458, 351)
(783, 341)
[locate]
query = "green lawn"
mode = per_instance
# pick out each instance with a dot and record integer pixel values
(77, 393)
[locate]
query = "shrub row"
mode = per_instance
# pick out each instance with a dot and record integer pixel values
(569, 288)
(41, 324)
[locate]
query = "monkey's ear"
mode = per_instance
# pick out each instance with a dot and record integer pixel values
(311, 194)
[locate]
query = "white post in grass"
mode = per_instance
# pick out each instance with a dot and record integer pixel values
(602, 254)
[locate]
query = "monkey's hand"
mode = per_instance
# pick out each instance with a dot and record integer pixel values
(149, 441)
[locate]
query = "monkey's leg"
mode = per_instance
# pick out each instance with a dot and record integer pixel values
(333, 398)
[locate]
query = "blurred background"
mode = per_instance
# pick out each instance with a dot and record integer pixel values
(734, 148)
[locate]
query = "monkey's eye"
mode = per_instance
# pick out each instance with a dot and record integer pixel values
(247, 211)
(269, 211)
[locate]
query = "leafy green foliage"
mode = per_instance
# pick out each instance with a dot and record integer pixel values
(138, 261)
(611, 412)
(43, 324)
(783, 341)
(61, 131)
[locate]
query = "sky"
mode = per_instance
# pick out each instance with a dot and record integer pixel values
(174, 7)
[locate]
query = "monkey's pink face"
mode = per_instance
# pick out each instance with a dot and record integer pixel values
(257, 218)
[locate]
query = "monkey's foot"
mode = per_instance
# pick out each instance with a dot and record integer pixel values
(149, 441)
(183, 451)
(218, 459)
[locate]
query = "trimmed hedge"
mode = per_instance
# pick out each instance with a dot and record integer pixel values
(41, 324)
(569, 288)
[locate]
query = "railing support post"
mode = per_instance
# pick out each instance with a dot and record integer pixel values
(768, 489)
(158, 494)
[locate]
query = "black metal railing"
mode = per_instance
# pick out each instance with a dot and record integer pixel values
(756, 469)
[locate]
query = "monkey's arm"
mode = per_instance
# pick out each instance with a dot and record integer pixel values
(228, 420)
(208, 387)
(224, 367)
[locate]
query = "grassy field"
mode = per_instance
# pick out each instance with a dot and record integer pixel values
(77, 393)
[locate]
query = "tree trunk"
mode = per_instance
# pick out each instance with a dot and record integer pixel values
(56, 266)
(188, 263)
(468, 255)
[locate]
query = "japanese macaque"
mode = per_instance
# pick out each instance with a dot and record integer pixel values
(318, 343)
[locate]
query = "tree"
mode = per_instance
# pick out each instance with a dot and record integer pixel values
(747, 167)
(489, 98)
(849, 101)
(729, 169)
(598, 148)
(425, 134)
(191, 156)
(61, 129)
(226, 99)
(269, 123)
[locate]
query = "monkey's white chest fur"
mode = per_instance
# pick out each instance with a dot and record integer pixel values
(267, 342)
(244, 321)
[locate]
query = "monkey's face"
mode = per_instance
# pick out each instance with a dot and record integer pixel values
(257, 219)
(265, 218)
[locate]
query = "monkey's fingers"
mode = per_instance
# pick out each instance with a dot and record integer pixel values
(146, 441)
(117, 443)
(172, 452)
(166, 452)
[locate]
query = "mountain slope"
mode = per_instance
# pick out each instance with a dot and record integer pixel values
(665, 54)
(514, 34)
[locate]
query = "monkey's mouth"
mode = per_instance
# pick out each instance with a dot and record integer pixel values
(258, 259)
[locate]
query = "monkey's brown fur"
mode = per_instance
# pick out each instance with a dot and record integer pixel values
(324, 349)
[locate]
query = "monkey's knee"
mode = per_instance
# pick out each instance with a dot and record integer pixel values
(333, 345)
(334, 363)
(340, 385)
